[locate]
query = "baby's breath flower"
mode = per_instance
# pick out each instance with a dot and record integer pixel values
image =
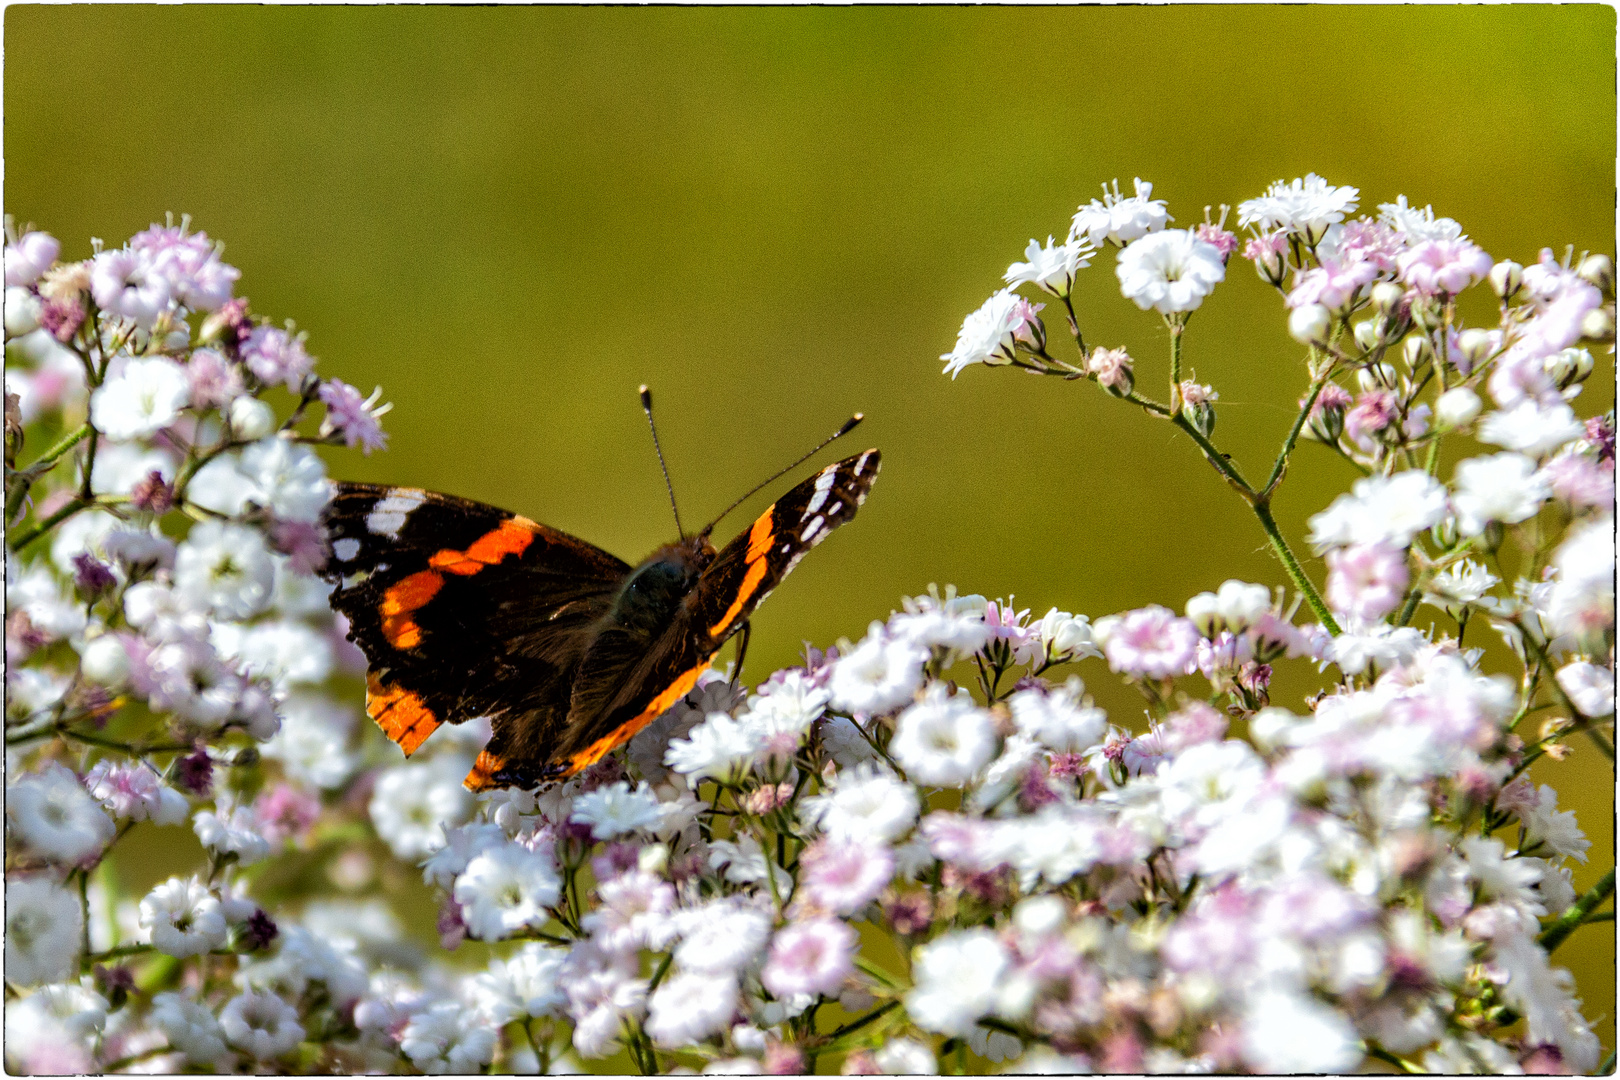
(1171, 271)
(43, 928)
(1119, 219)
(53, 814)
(141, 399)
(1051, 267)
(1305, 206)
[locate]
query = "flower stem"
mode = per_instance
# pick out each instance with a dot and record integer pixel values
(1262, 510)
(1281, 465)
(1175, 368)
(1561, 927)
(30, 535)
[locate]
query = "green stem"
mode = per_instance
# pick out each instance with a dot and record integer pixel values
(24, 478)
(1375, 1051)
(30, 535)
(856, 1025)
(1295, 573)
(1175, 367)
(1215, 457)
(1566, 924)
(1281, 465)
(1604, 746)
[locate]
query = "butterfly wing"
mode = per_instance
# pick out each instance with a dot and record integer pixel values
(642, 681)
(462, 609)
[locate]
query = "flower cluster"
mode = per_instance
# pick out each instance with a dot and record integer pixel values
(924, 849)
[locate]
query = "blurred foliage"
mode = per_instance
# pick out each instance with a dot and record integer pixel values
(510, 217)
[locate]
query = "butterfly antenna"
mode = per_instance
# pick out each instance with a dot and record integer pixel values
(646, 407)
(849, 426)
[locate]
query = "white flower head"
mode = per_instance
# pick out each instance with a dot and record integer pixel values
(944, 739)
(1418, 225)
(866, 802)
(191, 1028)
(1052, 267)
(1381, 510)
(1307, 206)
(1464, 582)
(879, 674)
(142, 399)
(988, 334)
(690, 1006)
(448, 1038)
(1119, 219)
(43, 927)
(1590, 687)
(224, 567)
(722, 747)
(1531, 427)
(412, 804)
(1058, 720)
(614, 810)
(505, 889)
(231, 828)
(1285, 1031)
(261, 1024)
(956, 981)
(722, 937)
(54, 815)
(183, 918)
(527, 984)
(1170, 271)
(1502, 487)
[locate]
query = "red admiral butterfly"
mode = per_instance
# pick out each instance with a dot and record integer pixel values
(464, 610)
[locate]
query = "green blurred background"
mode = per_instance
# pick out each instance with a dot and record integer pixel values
(510, 217)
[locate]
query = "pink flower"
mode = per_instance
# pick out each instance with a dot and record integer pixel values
(1580, 480)
(125, 283)
(811, 957)
(1367, 581)
(353, 416)
(30, 256)
(1112, 368)
(190, 263)
(1197, 723)
(1334, 284)
(1374, 412)
(1269, 254)
(1150, 641)
(1370, 242)
(1005, 624)
(844, 875)
(286, 813)
(1443, 266)
(277, 357)
(215, 381)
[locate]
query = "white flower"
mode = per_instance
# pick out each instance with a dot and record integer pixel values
(1288, 1032)
(879, 674)
(864, 803)
(104, 661)
(30, 256)
(1456, 407)
(225, 567)
(842, 741)
(745, 861)
(1118, 218)
(721, 937)
(120, 466)
(52, 1030)
(183, 918)
(134, 791)
(43, 928)
(261, 1024)
(143, 398)
(231, 828)
(722, 747)
(1169, 271)
(1306, 206)
(614, 810)
(1541, 993)
(1380, 644)
(283, 477)
(413, 803)
(943, 740)
(789, 703)
(952, 622)
(526, 984)
(190, 1027)
(1058, 637)
(1590, 687)
(600, 996)
(447, 1038)
(1052, 267)
(281, 650)
(1531, 427)
(54, 815)
(907, 1057)
(1502, 487)
(956, 981)
(1057, 719)
(1544, 824)
(986, 336)
(303, 959)
(1381, 510)
(691, 1005)
(1581, 600)
(1418, 225)
(313, 743)
(129, 284)
(35, 591)
(1463, 582)
(506, 888)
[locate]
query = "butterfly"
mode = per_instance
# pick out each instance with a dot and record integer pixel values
(464, 610)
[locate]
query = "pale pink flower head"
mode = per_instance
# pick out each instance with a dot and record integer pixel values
(30, 257)
(1335, 284)
(1373, 414)
(1443, 266)
(1269, 253)
(1197, 723)
(276, 356)
(352, 416)
(215, 382)
(843, 876)
(811, 957)
(127, 284)
(1218, 238)
(1580, 480)
(1112, 368)
(1370, 242)
(1152, 642)
(1005, 623)
(286, 813)
(1367, 581)
(1026, 325)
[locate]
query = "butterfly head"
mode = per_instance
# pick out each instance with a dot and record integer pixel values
(654, 589)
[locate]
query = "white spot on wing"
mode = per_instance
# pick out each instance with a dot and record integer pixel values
(389, 513)
(812, 528)
(824, 484)
(860, 462)
(346, 549)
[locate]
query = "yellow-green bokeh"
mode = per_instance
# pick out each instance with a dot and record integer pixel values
(510, 217)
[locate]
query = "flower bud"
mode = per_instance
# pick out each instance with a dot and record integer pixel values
(251, 419)
(1205, 612)
(1475, 345)
(1598, 270)
(1568, 367)
(1377, 377)
(1598, 325)
(653, 859)
(1366, 334)
(105, 661)
(1507, 278)
(1445, 534)
(1456, 407)
(1417, 351)
(1386, 296)
(1427, 314)
(1310, 324)
(22, 312)
(1493, 535)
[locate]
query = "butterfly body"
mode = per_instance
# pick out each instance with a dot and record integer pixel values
(464, 610)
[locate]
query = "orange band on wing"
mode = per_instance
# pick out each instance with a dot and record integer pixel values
(625, 731)
(511, 537)
(759, 546)
(403, 597)
(403, 716)
(482, 776)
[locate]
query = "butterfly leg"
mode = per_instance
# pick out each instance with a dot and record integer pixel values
(742, 651)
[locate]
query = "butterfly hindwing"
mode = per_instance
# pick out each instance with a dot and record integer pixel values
(462, 609)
